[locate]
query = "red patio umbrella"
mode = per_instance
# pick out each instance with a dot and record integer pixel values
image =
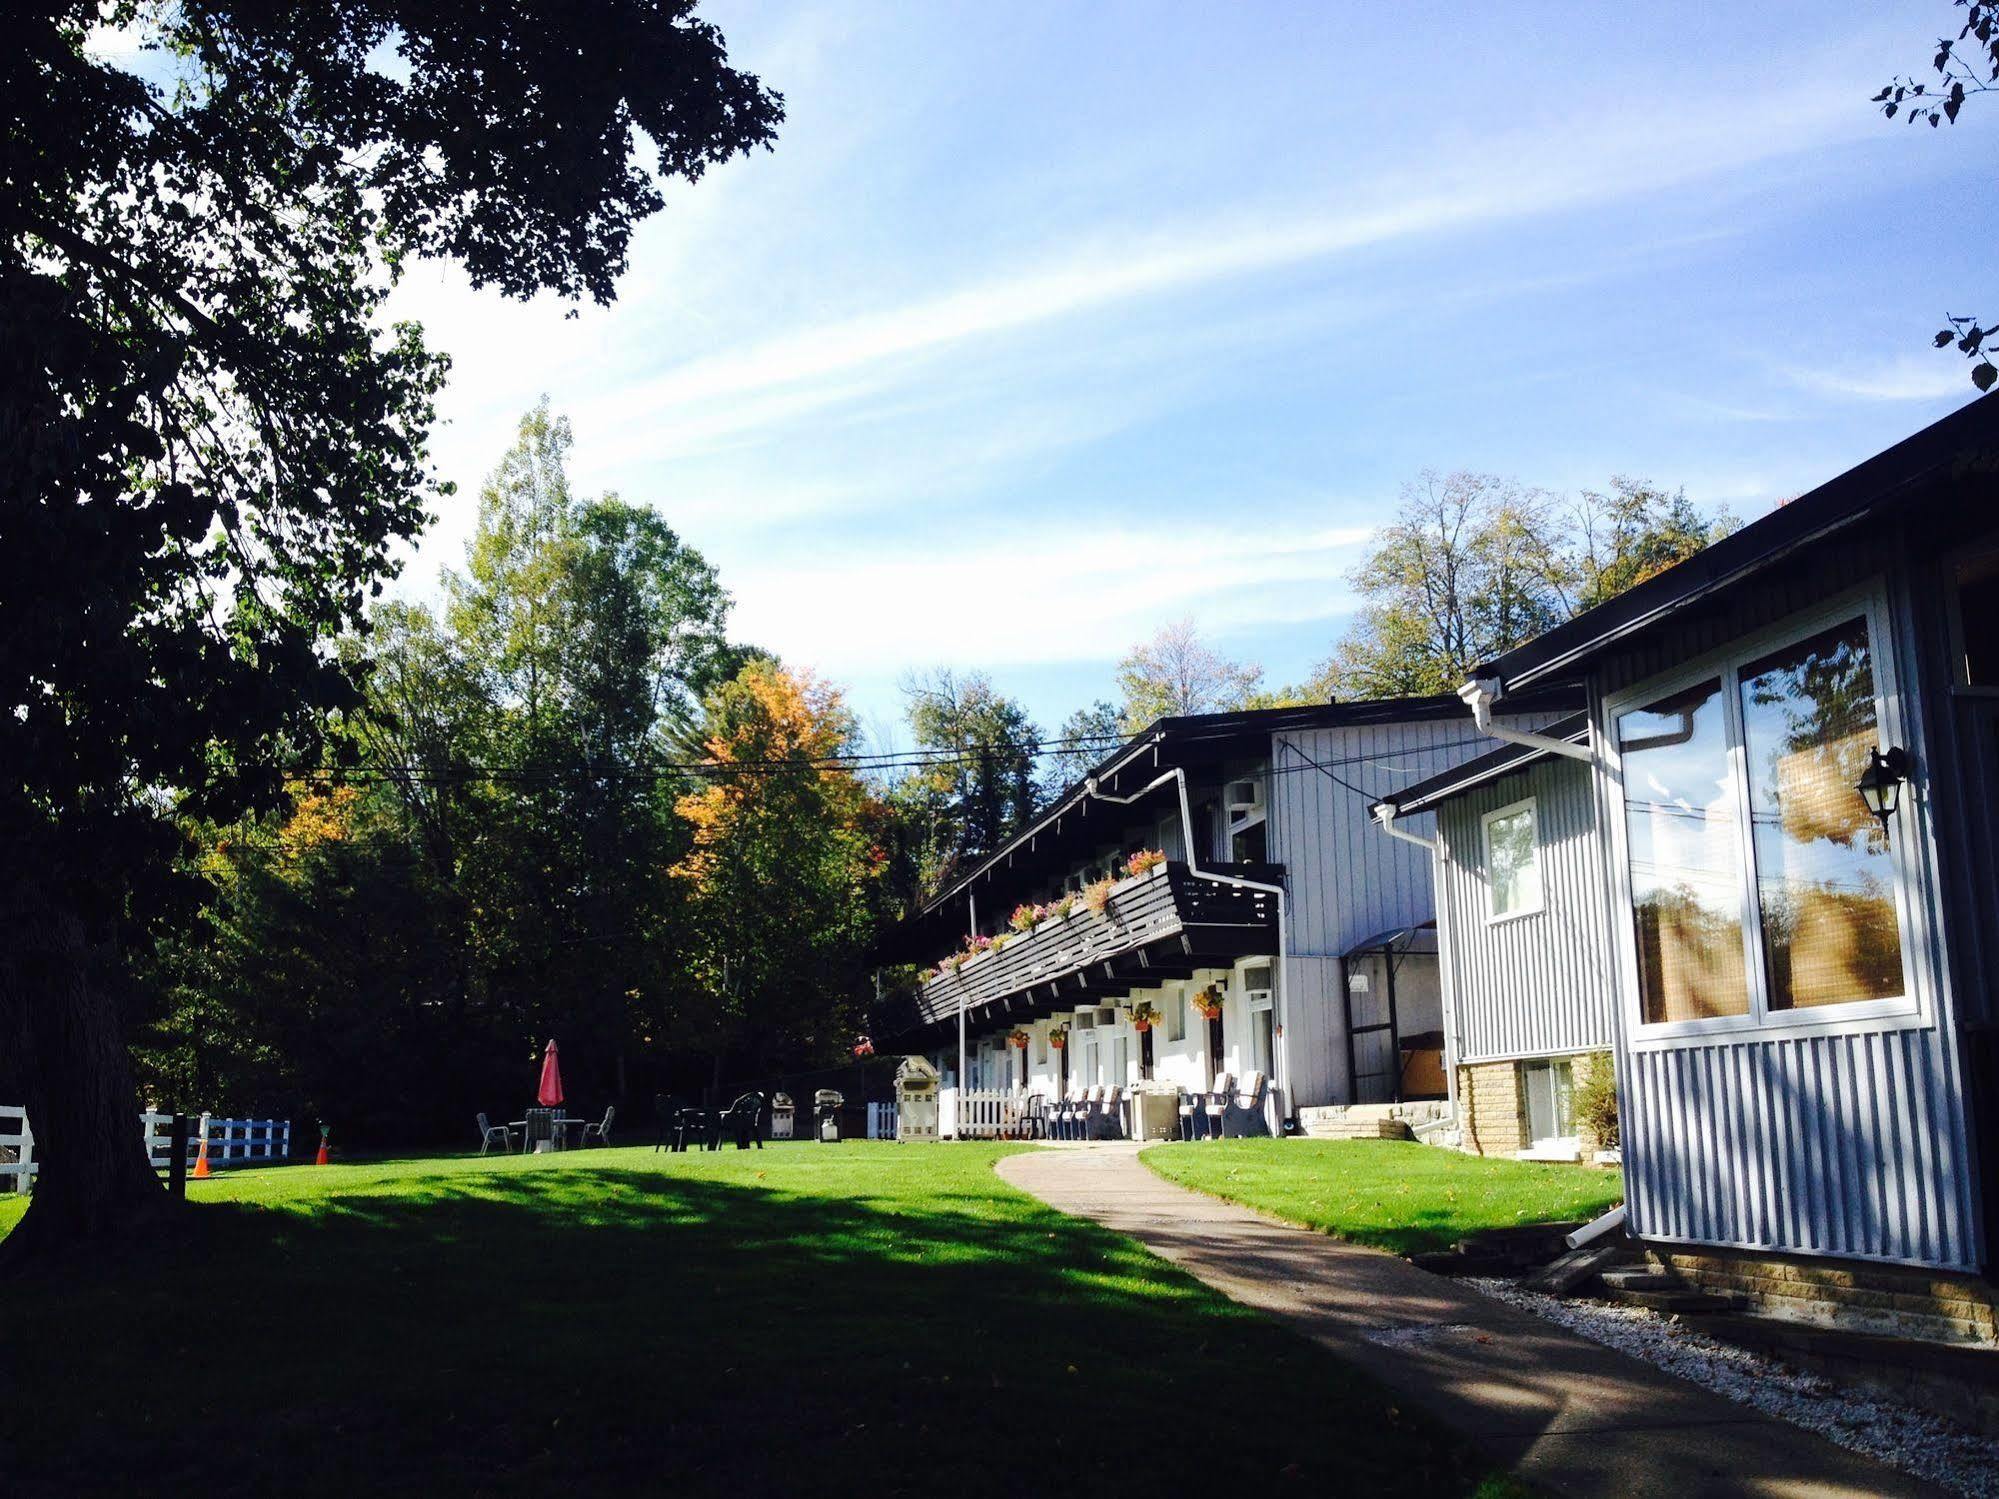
(551, 1078)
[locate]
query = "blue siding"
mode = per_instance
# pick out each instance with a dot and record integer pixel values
(1539, 985)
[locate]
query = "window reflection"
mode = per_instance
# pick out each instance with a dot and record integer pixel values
(1824, 877)
(1686, 885)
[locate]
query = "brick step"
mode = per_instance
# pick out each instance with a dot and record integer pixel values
(1369, 1129)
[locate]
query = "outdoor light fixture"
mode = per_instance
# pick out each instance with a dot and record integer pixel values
(1880, 784)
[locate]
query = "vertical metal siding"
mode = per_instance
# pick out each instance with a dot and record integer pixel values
(1346, 880)
(1829, 1144)
(1841, 1143)
(1540, 984)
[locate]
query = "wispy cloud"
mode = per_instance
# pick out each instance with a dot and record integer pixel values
(1088, 595)
(1908, 377)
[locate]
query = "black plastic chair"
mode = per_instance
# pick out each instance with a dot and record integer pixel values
(741, 1121)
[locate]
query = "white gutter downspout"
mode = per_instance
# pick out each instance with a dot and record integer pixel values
(1179, 775)
(1479, 696)
(1385, 814)
(964, 1086)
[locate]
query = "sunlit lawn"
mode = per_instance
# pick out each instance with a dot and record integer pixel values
(820, 1320)
(1391, 1193)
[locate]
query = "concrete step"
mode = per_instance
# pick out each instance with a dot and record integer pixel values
(1636, 1279)
(1685, 1302)
(1370, 1129)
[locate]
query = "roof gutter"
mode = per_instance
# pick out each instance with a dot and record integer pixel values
(1480, 694)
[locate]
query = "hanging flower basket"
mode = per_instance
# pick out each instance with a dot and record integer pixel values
(1144, 1016)
(1209, 1003)
(1059, 1037)
(864, 1047)
(1017, 1039)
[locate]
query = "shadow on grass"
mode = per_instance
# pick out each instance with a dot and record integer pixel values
(636, 1329)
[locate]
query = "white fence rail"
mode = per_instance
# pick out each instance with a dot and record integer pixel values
(17, 1150)
(980, 1114)
(881, 1121)
(231, 1142)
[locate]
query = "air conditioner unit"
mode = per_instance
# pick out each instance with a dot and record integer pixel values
(1243, 796)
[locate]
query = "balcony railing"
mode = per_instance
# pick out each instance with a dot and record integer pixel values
(1209, 919)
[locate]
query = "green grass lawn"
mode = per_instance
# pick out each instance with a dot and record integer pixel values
(1394, 1194)
(857, 1319)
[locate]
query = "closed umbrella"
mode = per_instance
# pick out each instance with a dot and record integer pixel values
(551, 1078)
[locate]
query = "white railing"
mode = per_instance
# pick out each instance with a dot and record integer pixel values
(17, 1149)
(231, 1142)
(881, 1121)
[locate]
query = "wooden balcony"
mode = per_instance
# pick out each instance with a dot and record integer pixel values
(1158, 926)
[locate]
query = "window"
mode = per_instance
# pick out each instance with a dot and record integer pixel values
(1976, 617)
(1550, 1088)
(1512, 861)
(1173, 1012)
(1759, 883)
(1825, 883)
(1248, 843)
(1041, 1046)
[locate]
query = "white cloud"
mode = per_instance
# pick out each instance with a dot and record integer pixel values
(1908, 377)
(1074, 596)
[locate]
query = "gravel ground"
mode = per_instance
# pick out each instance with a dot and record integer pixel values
(1907, 1438)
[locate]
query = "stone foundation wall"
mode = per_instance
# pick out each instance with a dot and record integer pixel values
(1492, 1108)
(1896, 1300)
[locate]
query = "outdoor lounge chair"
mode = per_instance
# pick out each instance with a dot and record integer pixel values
(1243, 1116)
(742, 1121)
(666, 1119)
(601, 1132)
(1190, 1115)
(1107, 1118)
(1217, 1104)
(490, 1132)
(1035, 1121)
(1072, 1111)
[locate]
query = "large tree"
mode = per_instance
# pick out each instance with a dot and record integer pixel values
(783, 873)
(1474, 565)
(209, 443)
(975, 784)
(1176, 672)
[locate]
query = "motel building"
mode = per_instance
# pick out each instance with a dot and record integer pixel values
(1210, 906)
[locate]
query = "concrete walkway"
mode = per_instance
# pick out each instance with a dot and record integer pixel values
(1567, 1414)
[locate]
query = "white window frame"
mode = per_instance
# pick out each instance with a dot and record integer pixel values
(1895, 1013)
(1494, 916)
(1041, 1045)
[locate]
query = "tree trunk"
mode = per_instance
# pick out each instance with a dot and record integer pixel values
(63, 1040)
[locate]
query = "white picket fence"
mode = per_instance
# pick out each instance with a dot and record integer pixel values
(881, 1121)
(17, 1150)
(231, 1142)
(980, 1114)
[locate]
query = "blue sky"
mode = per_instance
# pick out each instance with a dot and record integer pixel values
(1046, 324)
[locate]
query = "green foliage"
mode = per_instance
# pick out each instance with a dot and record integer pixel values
(617, 1322)
(1392, 1194)
(498, 871)
(981, 788)
(1595, 1101)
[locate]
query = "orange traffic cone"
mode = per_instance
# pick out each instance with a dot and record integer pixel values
(324, 1131)
(201, 1171)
